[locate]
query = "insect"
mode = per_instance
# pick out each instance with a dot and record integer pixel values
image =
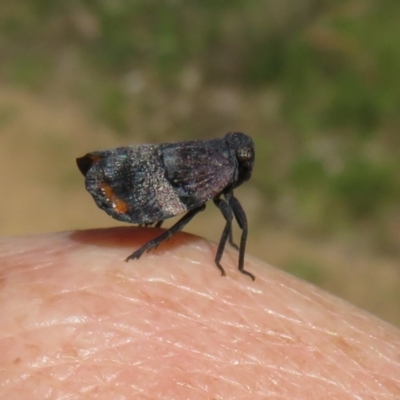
(149, 183)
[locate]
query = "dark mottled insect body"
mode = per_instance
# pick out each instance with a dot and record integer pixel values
(147, 184)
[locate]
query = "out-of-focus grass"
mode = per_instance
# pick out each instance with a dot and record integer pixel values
(306, 270)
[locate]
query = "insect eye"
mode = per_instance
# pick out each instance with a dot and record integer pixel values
(245, 154)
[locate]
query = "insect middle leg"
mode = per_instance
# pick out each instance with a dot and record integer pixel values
(231, 242)
(167, 234)
(155, 224)
(226, 233)
(242, 221)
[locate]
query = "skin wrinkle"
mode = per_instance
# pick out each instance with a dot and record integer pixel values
(348, 372)
(356, 366)
(182, 287)
(153, 322)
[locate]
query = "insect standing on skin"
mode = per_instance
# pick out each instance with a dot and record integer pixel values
(149, 183)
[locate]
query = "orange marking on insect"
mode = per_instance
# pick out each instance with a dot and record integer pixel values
(119, 205)
(94, 158)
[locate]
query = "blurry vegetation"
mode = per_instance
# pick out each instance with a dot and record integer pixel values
(330, 149)
(307, 270)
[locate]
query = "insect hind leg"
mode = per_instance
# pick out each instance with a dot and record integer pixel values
(152, 244)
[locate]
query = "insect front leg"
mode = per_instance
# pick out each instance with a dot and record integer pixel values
(231, 242)
(167, 234)
(242, 221)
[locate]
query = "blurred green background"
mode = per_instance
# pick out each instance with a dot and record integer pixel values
(315, 83)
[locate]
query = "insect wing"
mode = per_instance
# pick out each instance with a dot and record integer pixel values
(199, 171)
(129, 184)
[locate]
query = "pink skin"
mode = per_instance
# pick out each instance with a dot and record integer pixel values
(79, 322)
